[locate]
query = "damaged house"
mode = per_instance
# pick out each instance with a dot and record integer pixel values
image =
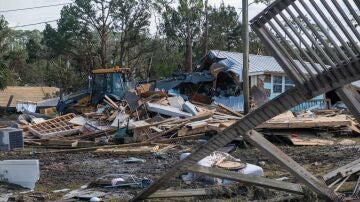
(218, 79)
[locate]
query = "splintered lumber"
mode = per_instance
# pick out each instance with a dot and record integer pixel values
(288, 163)
(337, 121)
(166, 110)
(56, 127)
(69, 143)
(164, 121)
(198, 117)
(309, 141)
(159, 134)
(129, 150)
(111, 102)
(60, 143)
(228, 109)
(138, 124)
(188, 137)
(95, 148)
(248, 179)
(342, 172)
(93, 135)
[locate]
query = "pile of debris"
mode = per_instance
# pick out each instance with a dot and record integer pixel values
(141, 117)
(144, 116)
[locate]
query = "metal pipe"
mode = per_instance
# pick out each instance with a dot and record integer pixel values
(319, 37)
(310, 60)
(336, 33)
(352, 11)
(299, 36)
(357, 2)
(318, 59)
(322, 28)
(281, 55)
(346, 18)
(310, 37)
(290, 48)
(342, 27)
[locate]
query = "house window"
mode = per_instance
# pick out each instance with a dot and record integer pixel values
(277, 84)
(288, 83)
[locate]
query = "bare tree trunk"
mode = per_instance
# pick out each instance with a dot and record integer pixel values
(188, 54)
(103, 50)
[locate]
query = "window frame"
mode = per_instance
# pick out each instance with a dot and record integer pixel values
(277, 84)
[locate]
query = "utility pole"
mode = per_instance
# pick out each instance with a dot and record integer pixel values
(245, 38)
(206, 32)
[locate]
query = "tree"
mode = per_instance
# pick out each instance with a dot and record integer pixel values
(224, 28)
(184, 23)
(4, 33)
(132, 19)
(95, 15)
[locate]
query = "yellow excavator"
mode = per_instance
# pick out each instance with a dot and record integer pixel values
(112, 82)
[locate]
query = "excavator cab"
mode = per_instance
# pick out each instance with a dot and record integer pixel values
(112, 82)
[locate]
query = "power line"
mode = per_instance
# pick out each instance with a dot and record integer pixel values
(30, 8)
(38, 23)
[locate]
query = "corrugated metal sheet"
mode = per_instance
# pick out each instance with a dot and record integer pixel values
(258, 63)
(236, 103)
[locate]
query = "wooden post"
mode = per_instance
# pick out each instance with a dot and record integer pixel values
(245, 72)
(350, 98)
(9, 103)
(248, 179)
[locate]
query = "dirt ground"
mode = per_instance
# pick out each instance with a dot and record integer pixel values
(73, 170)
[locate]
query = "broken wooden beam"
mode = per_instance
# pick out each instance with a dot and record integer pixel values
(248, 179)
(342, 172)
(228, 109)
(289, 164)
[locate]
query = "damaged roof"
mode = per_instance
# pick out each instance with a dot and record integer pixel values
(258, 63)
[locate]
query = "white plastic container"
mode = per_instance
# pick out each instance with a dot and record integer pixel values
(21, 172)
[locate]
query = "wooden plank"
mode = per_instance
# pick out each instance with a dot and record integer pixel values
(179, 193)
(157, 135)
(248, 179)
(9, 103)
(342, 172)
(138, 124)
(289, 164)
(188, 131)
(113, 104)
(70, 143)
(337, 121)
(309, 141)
(230, 110)
(94, 148)
(129, 150)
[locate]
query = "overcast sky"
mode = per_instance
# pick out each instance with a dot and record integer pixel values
(25, 17)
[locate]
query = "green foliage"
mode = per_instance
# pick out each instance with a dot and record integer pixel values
(224, 28)
(4, 72)
(183, 21)
(94, 34)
